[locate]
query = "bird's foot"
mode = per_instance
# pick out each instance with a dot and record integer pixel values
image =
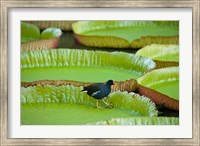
(98, 107)
(108, 105)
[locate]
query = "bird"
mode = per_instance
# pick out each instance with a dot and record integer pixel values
(99, 91)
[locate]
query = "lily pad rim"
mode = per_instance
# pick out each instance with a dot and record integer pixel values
(149, 48)
(100, 123)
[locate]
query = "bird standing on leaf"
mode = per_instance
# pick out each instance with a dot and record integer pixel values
(99, 91)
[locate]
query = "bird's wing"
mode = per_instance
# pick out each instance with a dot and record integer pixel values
(95, 93)
(95, 87)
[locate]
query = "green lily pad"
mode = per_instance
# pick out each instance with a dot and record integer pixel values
(160, 52)
(51, 33)
(67, 105)
(164, 80)
(139, 121)
(82, 65)
(126, 34)
(29, 32)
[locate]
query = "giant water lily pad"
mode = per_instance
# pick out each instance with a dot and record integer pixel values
(31, 38)
(51, 105)
(82, 65)
(166, 82)
(29, 32)
(126, 34)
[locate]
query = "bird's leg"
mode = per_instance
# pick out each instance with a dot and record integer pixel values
(97, 104)
(105, 102)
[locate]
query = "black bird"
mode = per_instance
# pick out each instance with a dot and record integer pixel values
(99, 91)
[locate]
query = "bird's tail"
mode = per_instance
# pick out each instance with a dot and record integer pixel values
(84, 89)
